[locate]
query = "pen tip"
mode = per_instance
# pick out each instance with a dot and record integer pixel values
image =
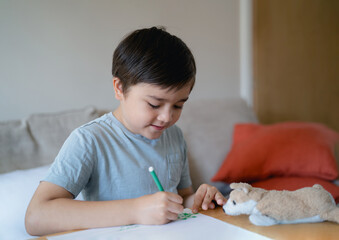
(151, 169)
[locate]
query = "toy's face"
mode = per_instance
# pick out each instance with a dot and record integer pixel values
(239, 203)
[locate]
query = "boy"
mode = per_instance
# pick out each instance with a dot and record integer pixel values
(108, 158)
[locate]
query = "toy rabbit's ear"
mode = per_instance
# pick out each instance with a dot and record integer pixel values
(245, 187)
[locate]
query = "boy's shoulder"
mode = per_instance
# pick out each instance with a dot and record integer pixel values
(96, 121)
(95, 125)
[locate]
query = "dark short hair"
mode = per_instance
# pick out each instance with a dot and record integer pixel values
(152, 55)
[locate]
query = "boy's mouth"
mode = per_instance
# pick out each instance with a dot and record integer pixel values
(158, 128)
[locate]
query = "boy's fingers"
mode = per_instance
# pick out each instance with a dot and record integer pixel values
(220, 199)
(197, 203)
(211, 205)
(210, 195)
(172, 216)
(198, 198)
(175, 198)
(204, 197)
(175, 208)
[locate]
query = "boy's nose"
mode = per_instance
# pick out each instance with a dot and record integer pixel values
(165, 116)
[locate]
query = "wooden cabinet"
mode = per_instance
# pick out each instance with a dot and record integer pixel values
(296, 60)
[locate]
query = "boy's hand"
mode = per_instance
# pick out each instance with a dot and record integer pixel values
(204, 197)
(159, 208)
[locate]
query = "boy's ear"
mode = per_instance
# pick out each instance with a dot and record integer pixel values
(118, 88)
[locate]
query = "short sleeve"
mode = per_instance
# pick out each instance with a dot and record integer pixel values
(74, 163)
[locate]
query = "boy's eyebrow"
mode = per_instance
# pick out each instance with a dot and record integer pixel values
(163, 99)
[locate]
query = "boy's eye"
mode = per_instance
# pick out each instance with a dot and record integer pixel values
(158, 106)
(153, 106)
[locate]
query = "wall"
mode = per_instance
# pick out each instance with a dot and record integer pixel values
(56, 55)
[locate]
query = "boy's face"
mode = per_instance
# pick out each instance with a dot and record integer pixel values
(147, 109)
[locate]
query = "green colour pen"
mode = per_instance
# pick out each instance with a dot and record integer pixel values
(155, 178)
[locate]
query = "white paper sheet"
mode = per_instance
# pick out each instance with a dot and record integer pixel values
(188, 226)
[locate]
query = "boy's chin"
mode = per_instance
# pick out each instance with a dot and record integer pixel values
(152, 136)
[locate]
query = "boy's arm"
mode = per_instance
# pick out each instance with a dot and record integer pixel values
(52, 209)
(188, 196)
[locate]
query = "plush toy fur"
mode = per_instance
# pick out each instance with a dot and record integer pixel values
(309, 204)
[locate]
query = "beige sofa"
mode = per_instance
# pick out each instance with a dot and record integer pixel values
(29, 146)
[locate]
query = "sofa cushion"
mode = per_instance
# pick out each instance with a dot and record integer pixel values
(36, 140)
(284, 149)
(207, 126)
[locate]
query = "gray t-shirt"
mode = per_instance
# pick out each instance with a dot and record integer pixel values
(108, 162)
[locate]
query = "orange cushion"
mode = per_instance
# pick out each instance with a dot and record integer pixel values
(283, 149)
(294, 183)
